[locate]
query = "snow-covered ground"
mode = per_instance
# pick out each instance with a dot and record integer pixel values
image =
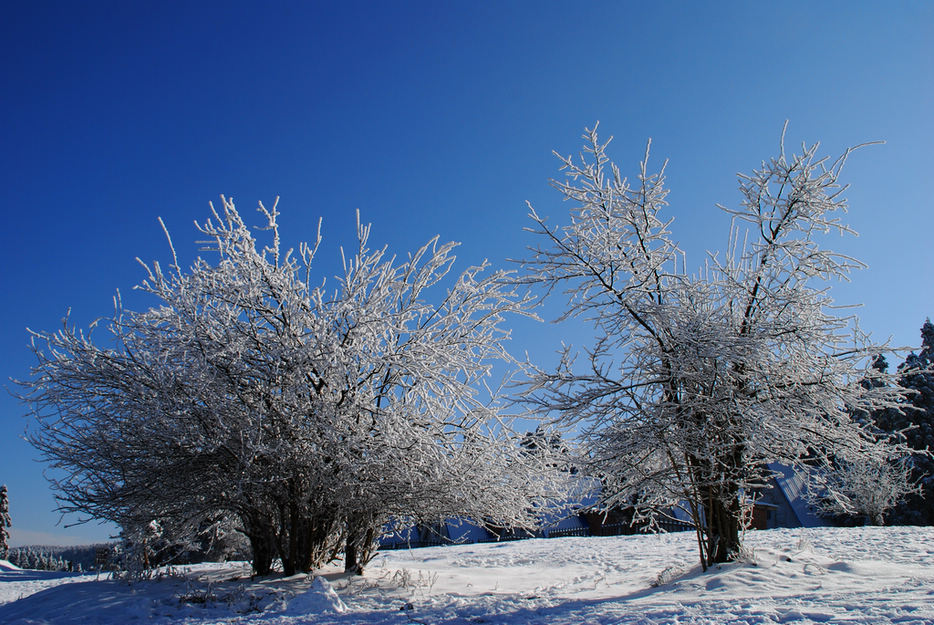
(860, 575)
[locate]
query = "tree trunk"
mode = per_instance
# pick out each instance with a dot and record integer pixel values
(724, 524)
(717, 501)
(351, 565)
(290, 527)
(352, 562)
(723, 510)
(324, 539)
(261, 533)
(262, 546)
(361, 537)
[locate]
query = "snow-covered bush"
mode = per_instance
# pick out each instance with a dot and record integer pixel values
(866, 488)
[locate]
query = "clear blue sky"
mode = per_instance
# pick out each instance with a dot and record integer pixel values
(432, 118)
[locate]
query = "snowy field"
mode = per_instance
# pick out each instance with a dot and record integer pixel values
(860, 575)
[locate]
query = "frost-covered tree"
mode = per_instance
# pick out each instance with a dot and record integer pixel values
(5, 522)
(313, 415)
(695, 382)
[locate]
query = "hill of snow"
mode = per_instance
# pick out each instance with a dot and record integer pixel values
(817, 575)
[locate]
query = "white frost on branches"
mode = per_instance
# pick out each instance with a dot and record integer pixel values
(313, 416)
(694, 383)
(867, 488)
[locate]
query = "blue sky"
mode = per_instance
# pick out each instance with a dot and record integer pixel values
(431, 118)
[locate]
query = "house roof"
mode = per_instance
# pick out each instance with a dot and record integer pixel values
(793, 486)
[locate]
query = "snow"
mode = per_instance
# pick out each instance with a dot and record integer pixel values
(320, 597)
(801, 576)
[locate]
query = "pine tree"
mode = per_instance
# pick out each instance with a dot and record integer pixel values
(917, 374)
(871, 491)
(914, 423)
(5, 522)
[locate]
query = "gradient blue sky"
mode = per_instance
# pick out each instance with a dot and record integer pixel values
(432, 118)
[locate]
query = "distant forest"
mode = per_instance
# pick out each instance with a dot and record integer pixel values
(76, 558)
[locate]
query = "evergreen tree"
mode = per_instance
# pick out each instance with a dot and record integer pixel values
(917, 374)
(5, 522)
(549, 447)
(869, 492)
(914, 424)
